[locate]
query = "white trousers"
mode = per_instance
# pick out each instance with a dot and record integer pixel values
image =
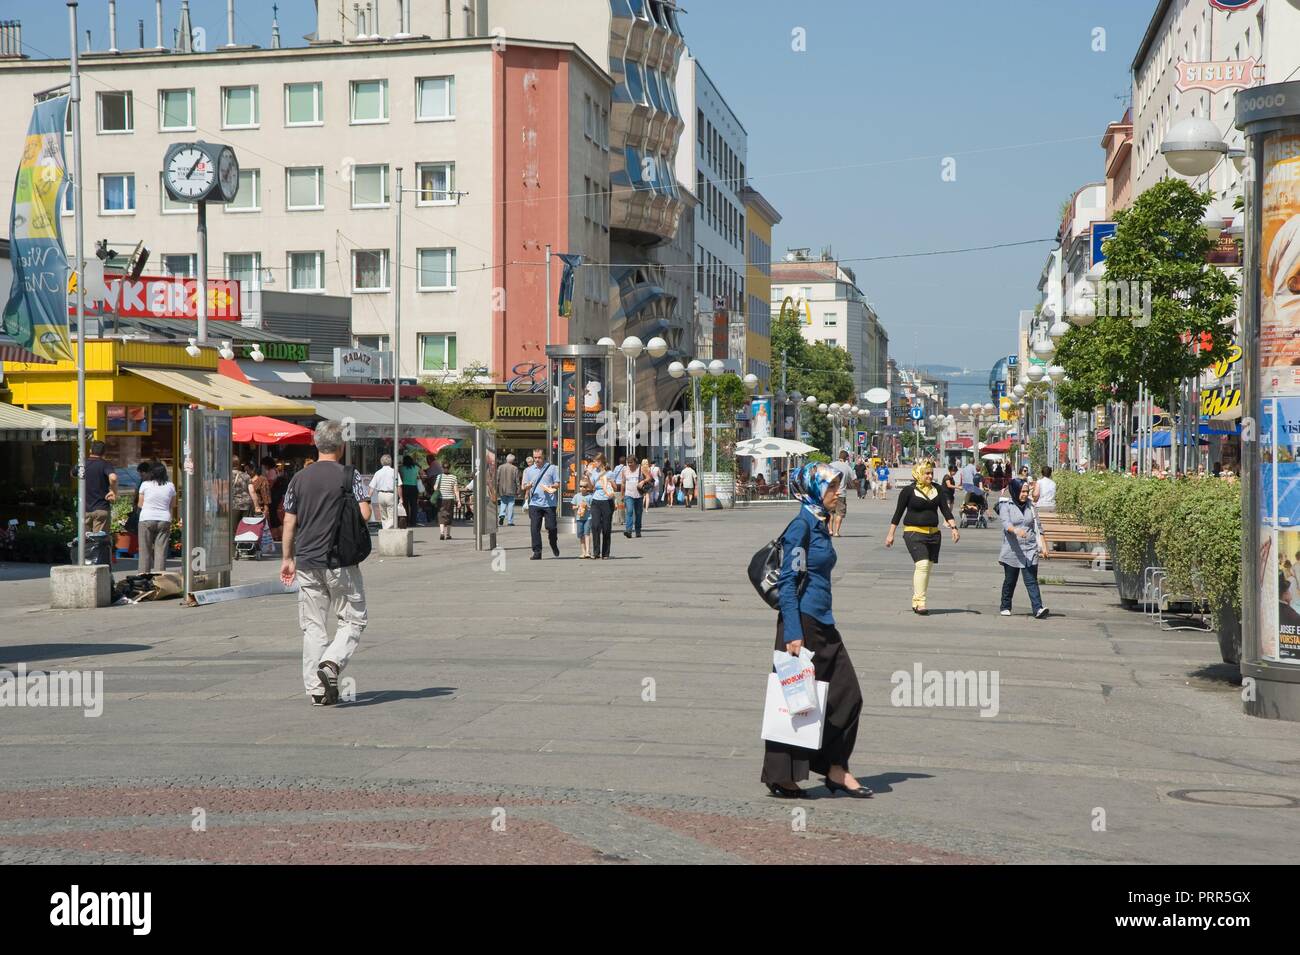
(385, 512)
(323, 593)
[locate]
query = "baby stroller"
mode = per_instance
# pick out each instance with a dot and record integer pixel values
(248, 537)
(973, 508)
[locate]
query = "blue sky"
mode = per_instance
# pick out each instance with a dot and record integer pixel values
(848, 137)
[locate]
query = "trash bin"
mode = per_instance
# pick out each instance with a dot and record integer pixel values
(98, 549)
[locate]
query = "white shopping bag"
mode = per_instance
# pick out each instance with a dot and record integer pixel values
(798, 729)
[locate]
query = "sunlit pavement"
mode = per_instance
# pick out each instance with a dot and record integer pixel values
(608, 712)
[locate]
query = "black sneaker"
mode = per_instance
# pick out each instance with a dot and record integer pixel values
(536, 557)
(328, 674)
(1041, 614)
(501, 519)
(317, 700)
(555, 550)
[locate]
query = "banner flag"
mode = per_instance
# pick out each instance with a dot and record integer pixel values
(36, 313)
(571, 263)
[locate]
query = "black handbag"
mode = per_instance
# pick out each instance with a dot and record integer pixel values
(765, 571)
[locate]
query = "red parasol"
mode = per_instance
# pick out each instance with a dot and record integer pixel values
(262, 430)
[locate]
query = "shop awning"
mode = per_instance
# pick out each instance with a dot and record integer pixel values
(374, 419)
(278, 377)
(997, 447)
(260, 429)
(432, 445)
(19, 424)
(221, 392)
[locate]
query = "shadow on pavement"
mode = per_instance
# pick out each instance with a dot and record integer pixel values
(883, 783)
(374, 697)
(31, 652)
(935, 611)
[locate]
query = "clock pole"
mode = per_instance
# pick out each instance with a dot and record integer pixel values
(203, 273)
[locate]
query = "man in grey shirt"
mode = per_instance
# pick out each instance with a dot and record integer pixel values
(311, 517)
(846, 482)
(507, 491)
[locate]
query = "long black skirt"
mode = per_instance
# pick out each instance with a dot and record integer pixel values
(783, 763)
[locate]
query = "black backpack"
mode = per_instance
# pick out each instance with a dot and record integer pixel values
(351, 536)
(765, 569)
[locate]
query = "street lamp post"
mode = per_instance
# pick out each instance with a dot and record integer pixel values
(631, 349)
(697, 370)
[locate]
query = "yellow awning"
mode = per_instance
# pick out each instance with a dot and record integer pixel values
(222, 392)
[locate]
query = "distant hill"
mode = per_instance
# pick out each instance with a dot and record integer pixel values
(964, 384)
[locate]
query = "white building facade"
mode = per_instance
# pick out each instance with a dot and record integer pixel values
(712, 162)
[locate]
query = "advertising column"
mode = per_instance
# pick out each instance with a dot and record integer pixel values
(1270, 651)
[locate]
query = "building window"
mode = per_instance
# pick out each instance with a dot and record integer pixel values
(117, 194)
(435, 98)
(370, 270)
(370, 101)
(305, 188)
(829, 319)
(175, 109)
(116, 112)
(249, 196)
(437, 270)
(183, 265)
(369, 187)
(239, 109)
(126, 419)
(244, 267)
(437, 353)
(306, 271)
(437, 183)
(373, 342)
(69, 196)
(302, 104)
(169, 205)
(588, 123)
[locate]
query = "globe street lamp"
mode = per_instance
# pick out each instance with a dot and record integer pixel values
(716, 369)
(1193, 147)
(631, 349)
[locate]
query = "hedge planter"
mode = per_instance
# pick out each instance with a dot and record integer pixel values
(1128, 583)
(1229, 634)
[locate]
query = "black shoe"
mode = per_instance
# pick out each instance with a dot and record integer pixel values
(1042, 613)
(920, 611)
(638, 533)
(862, 792)
(627, 534)
(501, 519)
(328, 673)
(536, 557)
(317, 700)
(780, 792)
(555, 550)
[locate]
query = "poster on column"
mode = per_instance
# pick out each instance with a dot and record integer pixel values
(1279, 265)
(1279, 557)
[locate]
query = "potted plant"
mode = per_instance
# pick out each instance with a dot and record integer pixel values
(127, 542)
(1199, 544)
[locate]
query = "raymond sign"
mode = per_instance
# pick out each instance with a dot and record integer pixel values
(158, 297)
(1219, 76)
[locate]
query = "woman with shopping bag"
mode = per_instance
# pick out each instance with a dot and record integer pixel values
(805, 620)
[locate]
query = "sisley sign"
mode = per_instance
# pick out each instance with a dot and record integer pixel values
(1231, 5)
(1219, 76)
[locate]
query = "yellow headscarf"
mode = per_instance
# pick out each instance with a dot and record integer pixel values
(923, 484)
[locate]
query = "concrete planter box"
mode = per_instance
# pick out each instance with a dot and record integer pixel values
(1229, 634)
(1130, 584)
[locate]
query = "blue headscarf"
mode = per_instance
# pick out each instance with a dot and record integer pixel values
(810, 483)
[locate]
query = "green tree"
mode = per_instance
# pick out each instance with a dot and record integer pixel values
(812, 368)
(732, 395)
(1159, 244)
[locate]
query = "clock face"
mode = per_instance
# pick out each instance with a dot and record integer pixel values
(228, 174)
(190, 174)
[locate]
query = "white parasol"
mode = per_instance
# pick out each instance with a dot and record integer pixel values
(771, 448)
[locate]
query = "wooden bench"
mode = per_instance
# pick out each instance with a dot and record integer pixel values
(1060, 530)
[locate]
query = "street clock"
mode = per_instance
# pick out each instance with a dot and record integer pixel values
(201, 172)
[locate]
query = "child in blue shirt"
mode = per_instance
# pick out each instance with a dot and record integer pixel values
(582, 514)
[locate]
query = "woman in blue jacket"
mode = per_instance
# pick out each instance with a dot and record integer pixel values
(805, 620)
